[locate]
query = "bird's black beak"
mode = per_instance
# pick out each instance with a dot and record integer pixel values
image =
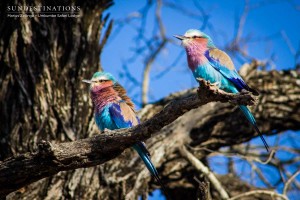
(87, 81)
(179, 37)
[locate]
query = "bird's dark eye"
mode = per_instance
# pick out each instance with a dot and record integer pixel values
(194, 36)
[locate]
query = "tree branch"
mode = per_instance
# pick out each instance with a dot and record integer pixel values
(257, 192)
(289, 181)
(49, 159)
(154, 53)
(205, 170)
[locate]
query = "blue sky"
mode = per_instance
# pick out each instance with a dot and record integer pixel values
(266, 24)
(273, 27)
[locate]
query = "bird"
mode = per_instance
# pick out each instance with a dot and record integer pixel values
(113, 109)
(208, 62)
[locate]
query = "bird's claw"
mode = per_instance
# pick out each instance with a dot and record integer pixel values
(215, 84)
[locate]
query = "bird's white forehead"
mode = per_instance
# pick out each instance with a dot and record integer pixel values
(193, 32)
(100, 78)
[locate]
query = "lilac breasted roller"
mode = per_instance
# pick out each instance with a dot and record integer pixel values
(113, 109)
(211, 64)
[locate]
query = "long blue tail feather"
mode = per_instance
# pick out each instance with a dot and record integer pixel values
(145, 156)
(252, 120)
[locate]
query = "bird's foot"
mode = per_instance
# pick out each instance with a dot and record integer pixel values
(206, 88)
(244, 91)
(204, 82)
(215, 84)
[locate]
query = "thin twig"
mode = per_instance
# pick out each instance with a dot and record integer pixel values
(255, 192)
(205, 170)
(248, 157)
(289, 181)
(154, 53)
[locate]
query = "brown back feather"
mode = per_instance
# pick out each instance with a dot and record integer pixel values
(128, 113)
(123, 94)
(223, 58)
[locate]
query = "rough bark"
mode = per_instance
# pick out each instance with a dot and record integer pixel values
(43, 61)
(178, 173)
(42, 98)
(53, 158)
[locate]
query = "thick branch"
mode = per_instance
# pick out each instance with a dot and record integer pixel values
(50, 159)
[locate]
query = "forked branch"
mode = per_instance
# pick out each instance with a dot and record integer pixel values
(19, 171)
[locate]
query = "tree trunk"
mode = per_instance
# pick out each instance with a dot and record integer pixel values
(43, 61)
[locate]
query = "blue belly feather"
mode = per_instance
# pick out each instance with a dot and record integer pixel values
(104, 120)
(208, 73)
